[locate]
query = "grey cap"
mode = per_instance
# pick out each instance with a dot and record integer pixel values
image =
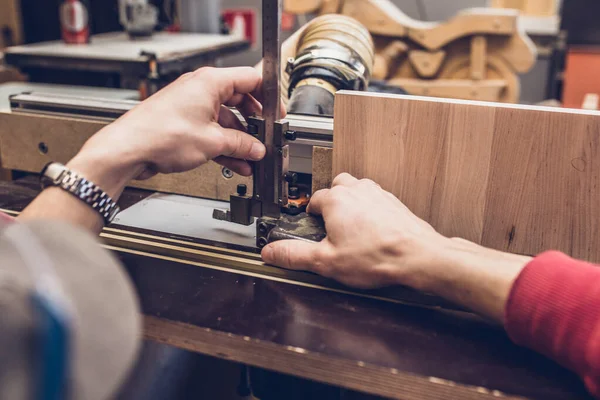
(106, 329)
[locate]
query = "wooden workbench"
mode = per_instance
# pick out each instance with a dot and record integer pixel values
(115, 54)
(362, 344)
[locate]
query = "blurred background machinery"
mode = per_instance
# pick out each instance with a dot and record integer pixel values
(27, 21)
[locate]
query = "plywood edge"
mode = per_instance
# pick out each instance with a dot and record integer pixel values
(322, 168)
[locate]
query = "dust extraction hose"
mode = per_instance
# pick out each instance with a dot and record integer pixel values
(335, 52)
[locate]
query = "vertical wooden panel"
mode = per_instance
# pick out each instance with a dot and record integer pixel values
(544, 190)
(462, 179)
(422, 151)
(515, 178)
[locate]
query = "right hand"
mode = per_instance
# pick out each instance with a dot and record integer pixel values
(178, 129)
(372, 240)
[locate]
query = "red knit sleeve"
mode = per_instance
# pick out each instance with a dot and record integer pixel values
(554, 309)
(5, 219)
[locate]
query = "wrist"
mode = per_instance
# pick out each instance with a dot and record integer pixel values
(479, 278)
(109, 173)
(102, 162)
(465, 273)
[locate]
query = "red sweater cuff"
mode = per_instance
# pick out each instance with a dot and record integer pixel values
(554, 309)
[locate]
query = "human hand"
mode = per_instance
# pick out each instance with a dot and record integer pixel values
(373, 240)
(178, 129)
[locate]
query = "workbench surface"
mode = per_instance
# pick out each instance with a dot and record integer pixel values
(118, 46)
(116, 53)
(362, 344)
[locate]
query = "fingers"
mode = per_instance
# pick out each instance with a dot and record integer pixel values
(232, 81)
(238, 144)
(227, 119)
(246, 104)
(344, 179)
(240, 167)
(293, 254)
(317, 202)
(320, 200)
(239, 87)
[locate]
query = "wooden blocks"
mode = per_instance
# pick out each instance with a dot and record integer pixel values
(515, 178)
(301, 7)
(427, 63)
(478, 57)
(538, 8)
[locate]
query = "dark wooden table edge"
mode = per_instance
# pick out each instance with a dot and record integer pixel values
(359, 376)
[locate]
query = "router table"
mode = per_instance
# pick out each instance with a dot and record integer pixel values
(326, 334)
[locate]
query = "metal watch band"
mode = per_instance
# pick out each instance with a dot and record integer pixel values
(55, 174)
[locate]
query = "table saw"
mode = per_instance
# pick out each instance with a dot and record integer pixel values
(204, 288)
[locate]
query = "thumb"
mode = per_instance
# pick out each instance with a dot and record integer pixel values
(293, 254)
(241, 145)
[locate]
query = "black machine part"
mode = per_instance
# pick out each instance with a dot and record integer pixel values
(311, 100)
(305, 227)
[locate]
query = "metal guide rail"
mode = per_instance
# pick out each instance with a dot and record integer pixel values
(244, 261)
(308, 128)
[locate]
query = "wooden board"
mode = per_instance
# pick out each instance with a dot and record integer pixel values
(322, 160)
(515, 178)
(21, 137)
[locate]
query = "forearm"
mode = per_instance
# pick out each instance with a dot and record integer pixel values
(476, 277)
(110, 172)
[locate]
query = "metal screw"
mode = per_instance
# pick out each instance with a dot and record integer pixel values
(43, 148)
(242, 189)
(290, 177)
(291, 135)
(262, 242)
(227, 173)
(262, 228)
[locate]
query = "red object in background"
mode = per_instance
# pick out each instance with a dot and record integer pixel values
(242, 21)
(75, 21)
(288, 21)
(581, 75)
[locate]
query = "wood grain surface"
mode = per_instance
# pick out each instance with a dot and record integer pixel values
(322, 159)
(515, 178)
(338, 338)
(360, 376)
(21, 137)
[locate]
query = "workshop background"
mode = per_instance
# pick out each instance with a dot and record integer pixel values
(162, 371)
(32, 24)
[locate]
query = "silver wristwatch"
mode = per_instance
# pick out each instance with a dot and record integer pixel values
(56, 174)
